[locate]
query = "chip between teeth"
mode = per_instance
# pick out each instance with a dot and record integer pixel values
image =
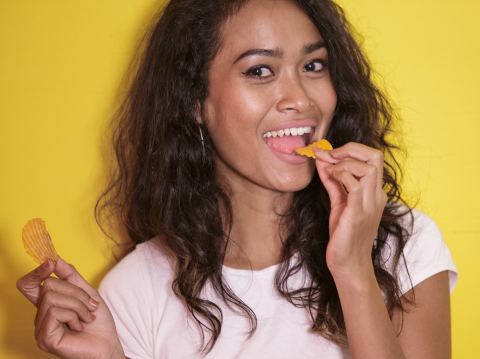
(37, 241)
(308, 150)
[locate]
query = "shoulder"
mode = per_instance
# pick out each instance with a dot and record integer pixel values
(138, 285)
(425, 253)
(426, 241)
(146, 264)
(135, 291)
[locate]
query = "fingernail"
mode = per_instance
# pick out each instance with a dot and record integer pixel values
(46, 264)
(334, 151)
(91, 316)
(318, 150)
(329, 168)
(94, 302)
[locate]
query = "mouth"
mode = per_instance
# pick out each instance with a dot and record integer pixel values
(287, 140)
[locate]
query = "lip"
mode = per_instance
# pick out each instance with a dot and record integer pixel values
(303, 123)
(289, 158)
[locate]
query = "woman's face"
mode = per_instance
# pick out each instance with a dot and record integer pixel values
(269, 78)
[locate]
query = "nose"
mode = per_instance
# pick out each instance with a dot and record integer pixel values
(293, 96)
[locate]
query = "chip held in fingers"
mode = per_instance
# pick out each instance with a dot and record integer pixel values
(308, 150)
(37, 241)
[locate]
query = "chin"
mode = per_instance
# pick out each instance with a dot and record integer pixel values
(294, 182)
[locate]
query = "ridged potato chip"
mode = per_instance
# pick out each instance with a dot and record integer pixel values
(37, 241)
(308, 150)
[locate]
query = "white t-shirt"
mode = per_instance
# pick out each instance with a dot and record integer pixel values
(152, 322)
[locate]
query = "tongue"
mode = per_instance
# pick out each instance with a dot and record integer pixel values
(285, 144)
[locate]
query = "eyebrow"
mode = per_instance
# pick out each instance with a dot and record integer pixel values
(308, 49)
(278, 53)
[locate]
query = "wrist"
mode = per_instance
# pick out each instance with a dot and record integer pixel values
(353, 267)
(355, 279)
(117, 352)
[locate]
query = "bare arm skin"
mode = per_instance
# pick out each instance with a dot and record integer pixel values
(65, 324)
(354, 220)
(426, 331)
(426, 327)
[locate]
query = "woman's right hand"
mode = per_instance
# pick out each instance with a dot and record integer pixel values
(65, 324)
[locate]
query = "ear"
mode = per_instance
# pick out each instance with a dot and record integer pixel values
(198, 113)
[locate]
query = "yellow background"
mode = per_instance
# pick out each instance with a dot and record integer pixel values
(61, 64)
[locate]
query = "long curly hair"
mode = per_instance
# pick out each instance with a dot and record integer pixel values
(163, 185)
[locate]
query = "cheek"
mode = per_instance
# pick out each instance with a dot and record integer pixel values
(326, 99)
(231, 120)
(235, 110)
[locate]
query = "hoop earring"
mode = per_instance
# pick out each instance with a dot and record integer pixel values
(203, 144)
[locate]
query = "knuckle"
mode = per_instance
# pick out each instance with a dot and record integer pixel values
(25, 281)
(348, 146)
(20, 284)
(356, 188)
(378, 155)
(77, 305)
(82, 295)
(44, 342)
(372, 171)
(342, 174)
(42, 345)
(48, 283)
(51, 313)
(48, 297)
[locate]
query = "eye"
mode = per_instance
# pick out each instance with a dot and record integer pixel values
(260, 72)
(315, 66)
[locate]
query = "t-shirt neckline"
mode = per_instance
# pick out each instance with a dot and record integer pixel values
(236, 271)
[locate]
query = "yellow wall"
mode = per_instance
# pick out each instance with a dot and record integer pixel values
(61, 63)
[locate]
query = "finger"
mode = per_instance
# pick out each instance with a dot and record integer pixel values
(53, 299)
(334, 188)
(354, 189)
(60, 286)
(30, 285)
(361, 153)
(68, 273)
(324, 155)
(365, 173)
(52, 328)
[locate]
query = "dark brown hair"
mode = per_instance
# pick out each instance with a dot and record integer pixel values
(163, 188)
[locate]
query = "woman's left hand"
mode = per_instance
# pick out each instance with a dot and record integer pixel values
(355, 216)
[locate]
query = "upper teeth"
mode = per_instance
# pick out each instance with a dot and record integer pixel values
(294, 131)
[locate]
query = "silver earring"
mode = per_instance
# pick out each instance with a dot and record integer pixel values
(203, 144)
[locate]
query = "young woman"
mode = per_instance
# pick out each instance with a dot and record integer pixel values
(242, 249)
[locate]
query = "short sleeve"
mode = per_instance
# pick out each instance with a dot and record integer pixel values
(425, 255)
(129, 300)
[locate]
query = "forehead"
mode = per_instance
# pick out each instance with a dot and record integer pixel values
(268, 24)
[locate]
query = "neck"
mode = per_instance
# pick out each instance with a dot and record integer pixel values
(255, 237)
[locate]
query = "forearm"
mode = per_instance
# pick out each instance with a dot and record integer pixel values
(369, 329)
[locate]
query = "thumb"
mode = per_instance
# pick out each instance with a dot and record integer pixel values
(68, 273)
(30, 285)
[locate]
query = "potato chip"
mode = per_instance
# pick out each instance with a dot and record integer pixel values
(37, 241)
(308, 150)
